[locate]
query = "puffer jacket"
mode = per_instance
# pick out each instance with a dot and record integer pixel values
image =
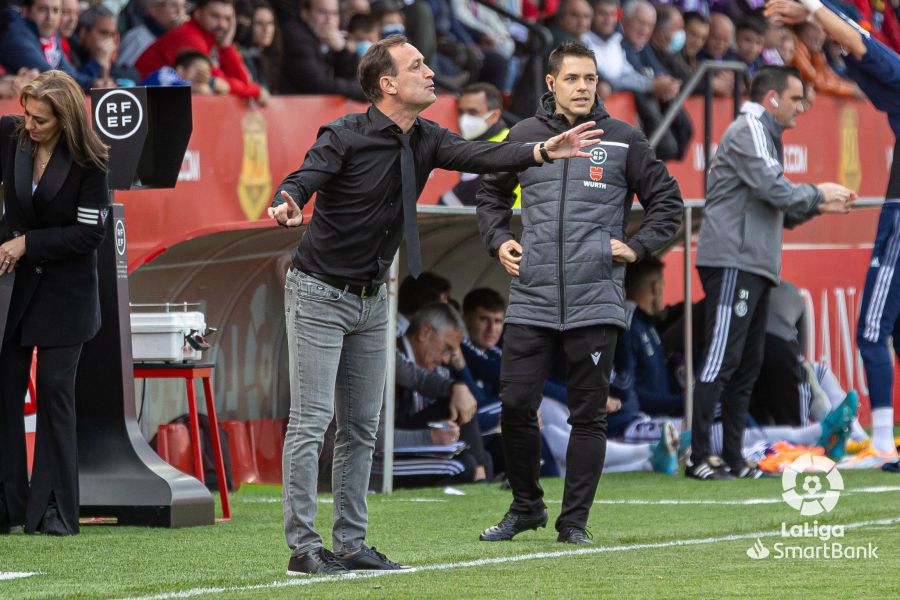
(571, 209)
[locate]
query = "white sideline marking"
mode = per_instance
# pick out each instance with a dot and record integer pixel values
(192, 593)
(331, 501)
(8, 576)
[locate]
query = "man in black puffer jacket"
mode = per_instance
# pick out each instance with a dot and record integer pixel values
(566, 295)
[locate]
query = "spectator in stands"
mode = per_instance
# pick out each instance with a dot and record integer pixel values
(430, 389)
(718, 48)
(416, 292)
(491, 34)
(810, 60)
(317, 58)
(68, 22)
(30, 39)
(666, 43)
(571, 22)
(638, 25)
(191, 68)
(605, 40)
(363, 31)
(263, 53)
(696, 30)
(11, 85)
(640, 358)
(788, 48)
(775, 34)
(97, 40)
(749, 37)
(162, 15)
(210, 30)
(480, 108)
(390, 19)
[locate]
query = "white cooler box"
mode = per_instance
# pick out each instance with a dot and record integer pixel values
(168, 336)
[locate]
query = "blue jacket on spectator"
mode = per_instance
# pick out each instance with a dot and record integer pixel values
(641, 367)
(20, 46)
(482, 373)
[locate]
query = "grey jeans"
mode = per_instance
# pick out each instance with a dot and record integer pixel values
(338, 360)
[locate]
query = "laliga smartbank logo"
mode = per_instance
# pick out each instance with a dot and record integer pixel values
(812, 485)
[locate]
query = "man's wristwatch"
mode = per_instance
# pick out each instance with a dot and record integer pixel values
(544, 154)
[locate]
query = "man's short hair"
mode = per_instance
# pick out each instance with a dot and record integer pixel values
(203, 3)
(771, 78)
(377, 62)
(640, 273)
(416, 293)
(362, 22)
(90, 16)
(692, 15)
(491, 93)
(439, 315)
(751, 23)
(664, 15)
(485, 298)
(186, 58)
(597, 3)
(632, 7)
(574, 49)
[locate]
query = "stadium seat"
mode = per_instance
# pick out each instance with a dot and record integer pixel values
(243, 459)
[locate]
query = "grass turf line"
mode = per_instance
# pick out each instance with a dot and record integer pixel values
(122, 561)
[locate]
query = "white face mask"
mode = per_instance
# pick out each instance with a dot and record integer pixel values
(471, 127)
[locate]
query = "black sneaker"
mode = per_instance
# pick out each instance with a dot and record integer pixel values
(748, 470)
(708, 469)
(575, 535)
(320, 561)
(513, 524)
(368, 559)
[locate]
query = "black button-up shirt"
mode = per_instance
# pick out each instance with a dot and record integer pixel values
(354, 166)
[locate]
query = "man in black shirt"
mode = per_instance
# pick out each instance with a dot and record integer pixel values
(368, 169)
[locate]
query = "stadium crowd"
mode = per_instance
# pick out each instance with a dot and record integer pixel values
(256, 48)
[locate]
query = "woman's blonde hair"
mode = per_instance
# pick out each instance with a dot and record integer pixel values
(66, 99)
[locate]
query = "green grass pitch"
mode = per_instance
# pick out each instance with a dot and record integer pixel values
(654, 537)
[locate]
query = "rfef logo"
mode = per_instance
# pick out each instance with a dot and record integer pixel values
(118, 114)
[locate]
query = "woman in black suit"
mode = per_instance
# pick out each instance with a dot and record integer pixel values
(56, 201)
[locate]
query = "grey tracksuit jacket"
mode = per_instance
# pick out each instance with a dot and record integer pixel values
(749, 201)
(570, 211)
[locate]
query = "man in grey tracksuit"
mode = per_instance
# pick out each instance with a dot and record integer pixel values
(566, 298)
(749, 202)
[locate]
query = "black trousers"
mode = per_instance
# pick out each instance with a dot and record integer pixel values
(776, 398)
(736, 306)
(528, 355)
(55, 468)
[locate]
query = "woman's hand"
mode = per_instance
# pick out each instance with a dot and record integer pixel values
(10, 253)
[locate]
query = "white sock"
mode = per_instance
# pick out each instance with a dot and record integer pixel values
(806, 436)
(619, 455)
(857, 433)
(638, 465)
(883, 429)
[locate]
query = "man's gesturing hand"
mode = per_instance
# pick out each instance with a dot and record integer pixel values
(786, 11)
(838, 199)
(287, 214)
(510, 255)
(570, 143)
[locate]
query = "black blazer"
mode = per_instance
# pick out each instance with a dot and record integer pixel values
(55, 296)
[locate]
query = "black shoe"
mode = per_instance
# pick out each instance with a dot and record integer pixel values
(52, 523)
(513, 524)
(575, 535)
(368, 559)
(319, 560)
(891, 467)
(748, 470)
(708, 469)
